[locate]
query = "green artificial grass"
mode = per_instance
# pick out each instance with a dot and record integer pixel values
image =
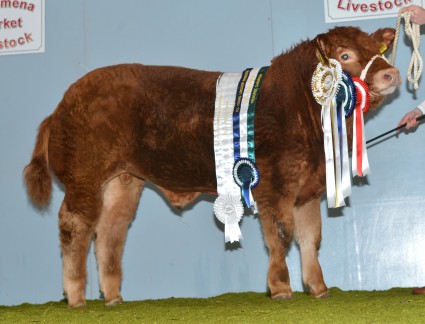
(397, 305)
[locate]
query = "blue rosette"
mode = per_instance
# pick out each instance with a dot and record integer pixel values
(246, 176)
(346, 94)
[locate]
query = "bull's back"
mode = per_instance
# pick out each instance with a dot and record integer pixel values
(157, 120)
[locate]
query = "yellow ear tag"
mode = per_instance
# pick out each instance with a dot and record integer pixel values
(382, 48)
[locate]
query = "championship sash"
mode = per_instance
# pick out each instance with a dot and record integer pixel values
(234, 147)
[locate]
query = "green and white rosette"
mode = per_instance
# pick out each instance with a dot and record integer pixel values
(325, 84)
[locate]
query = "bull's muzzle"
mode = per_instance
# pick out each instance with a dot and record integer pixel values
(386, 81)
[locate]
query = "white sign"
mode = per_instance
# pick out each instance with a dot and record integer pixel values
(348, 10)
(21, 27)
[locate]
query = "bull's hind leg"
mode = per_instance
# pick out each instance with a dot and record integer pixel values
(77, 217)
(278, 228)
(308, 226)
(120, 199)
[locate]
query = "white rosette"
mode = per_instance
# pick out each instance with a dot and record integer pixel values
(228, 191)
(325, 81)
(324, 84)
(229, 210)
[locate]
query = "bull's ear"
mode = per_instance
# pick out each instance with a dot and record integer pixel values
(384, 37)
(322, 50)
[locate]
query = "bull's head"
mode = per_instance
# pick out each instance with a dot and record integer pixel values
(357, 52)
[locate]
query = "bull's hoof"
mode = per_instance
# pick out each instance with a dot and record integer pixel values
(114, 302)
(323, 294)
(77, 305)
(418, 291)
(282, 297)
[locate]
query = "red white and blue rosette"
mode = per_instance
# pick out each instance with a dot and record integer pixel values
(360, 161)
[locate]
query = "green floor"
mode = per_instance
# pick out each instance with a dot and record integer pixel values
(392, 306)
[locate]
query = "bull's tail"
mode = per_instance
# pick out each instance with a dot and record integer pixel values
(37, 173)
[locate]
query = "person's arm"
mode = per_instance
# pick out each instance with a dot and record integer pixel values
(410, 118)
(421, 107)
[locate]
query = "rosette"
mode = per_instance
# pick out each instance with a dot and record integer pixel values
(347, 94)
(229, 210)
(325, 81)
(245, 170)
(325, 84)
(362, 94)
(360, 162)
(246, 176)
(346, 102)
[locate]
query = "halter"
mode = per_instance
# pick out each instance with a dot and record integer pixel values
(322, 57)
(366, 68)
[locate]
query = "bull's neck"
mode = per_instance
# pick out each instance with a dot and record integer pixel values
(290, 81)
(291, 74)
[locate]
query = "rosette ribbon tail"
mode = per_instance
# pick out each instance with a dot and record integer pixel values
(246, 193)
(247, 196)
(343, 167)
(337, 137)
(246, 176)
(329, 156)
(342, 171)
(232, 232)
(346, 176)
(360, 162)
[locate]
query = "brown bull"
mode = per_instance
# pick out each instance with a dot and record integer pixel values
(121, 125)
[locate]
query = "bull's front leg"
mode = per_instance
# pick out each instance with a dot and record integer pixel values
(278, 228)
(308, 228)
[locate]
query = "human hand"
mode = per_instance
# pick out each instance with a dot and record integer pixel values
(410, 119)
(417, 14)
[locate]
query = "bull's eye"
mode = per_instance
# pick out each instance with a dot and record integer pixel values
(344, 56)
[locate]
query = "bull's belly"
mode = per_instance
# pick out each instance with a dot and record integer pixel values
(180, 180)
(184, 173)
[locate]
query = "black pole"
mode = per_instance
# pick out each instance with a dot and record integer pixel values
(393, 130)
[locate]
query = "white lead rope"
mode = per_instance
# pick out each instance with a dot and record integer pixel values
(412, 30)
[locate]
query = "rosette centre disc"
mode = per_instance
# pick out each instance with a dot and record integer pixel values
(229, 210)
(328, 82)
(325, 80)
(245, 173)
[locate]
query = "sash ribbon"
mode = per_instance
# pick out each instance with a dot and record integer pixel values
(234, 149)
